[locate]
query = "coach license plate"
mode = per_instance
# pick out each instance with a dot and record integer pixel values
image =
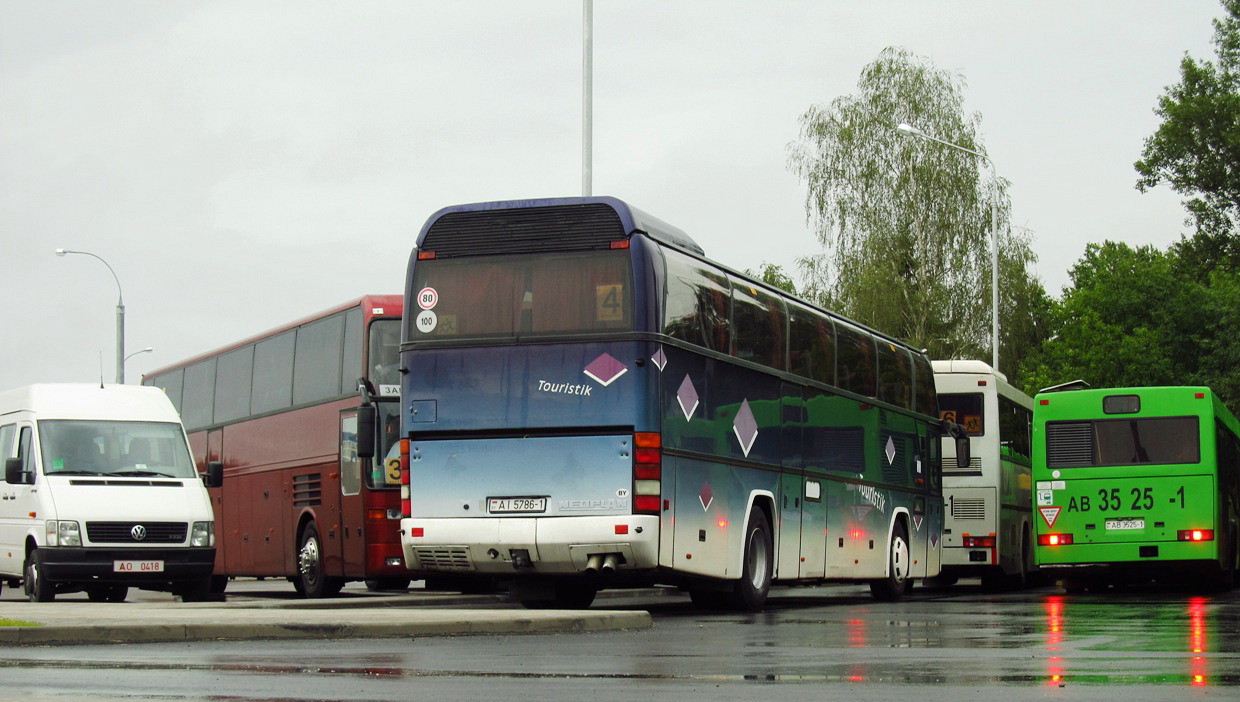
(508, 505)
(137, 566)
(1124, 524)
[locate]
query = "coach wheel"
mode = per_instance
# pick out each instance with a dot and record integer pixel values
(311, 581)
(891, 588)
(751, 590)
(37, 588)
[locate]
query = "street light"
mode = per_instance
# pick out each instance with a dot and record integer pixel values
(135, 353)
(120, 314)
(910, 130)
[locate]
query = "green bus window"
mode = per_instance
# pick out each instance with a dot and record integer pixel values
(1123, 442)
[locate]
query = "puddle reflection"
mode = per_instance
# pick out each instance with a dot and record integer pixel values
(1187, 630)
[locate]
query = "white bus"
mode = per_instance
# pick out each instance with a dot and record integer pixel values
(988, 529)
(100, 494)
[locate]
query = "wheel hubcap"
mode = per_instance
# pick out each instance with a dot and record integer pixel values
(758, 559)
(308, 559)
(899, 560)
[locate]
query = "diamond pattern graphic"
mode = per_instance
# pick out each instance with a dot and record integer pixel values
(660, 359)
(605, 369)
(890, 450)
(705, 496)
(745, 427)
(687, 397)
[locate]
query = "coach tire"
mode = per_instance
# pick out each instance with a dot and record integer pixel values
(891, 587)
(757, 563)
(312, 583)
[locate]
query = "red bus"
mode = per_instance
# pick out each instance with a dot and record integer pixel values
(280, 411)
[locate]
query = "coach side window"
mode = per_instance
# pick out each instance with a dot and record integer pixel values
(199, 395)
(695, 306)
(811, 344)
(895, 374)
(856, 367)
(758, 320)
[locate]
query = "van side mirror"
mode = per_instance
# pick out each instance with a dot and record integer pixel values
(13, 473)
(367, 416)
(214, 477)
(962, 452)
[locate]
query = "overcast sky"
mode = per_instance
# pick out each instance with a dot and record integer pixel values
(241, 164)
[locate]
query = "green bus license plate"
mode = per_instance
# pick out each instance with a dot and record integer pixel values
(1124, 524)
(501, 505)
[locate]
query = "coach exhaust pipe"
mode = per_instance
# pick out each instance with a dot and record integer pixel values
(609, 564)
(593, 563)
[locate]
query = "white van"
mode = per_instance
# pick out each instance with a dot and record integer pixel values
(100, 494)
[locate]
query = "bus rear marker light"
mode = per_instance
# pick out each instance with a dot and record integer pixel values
(1195, 535)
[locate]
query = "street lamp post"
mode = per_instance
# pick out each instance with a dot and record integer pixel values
(120, 314)
(910, 130)
(135, 353)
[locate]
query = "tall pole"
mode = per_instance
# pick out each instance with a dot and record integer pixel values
(120, 313)
(587, 90)
(994, 232)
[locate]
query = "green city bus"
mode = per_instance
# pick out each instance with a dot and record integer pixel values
(1134, 485)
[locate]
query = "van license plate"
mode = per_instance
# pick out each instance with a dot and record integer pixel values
(137, 566)
(500, 505)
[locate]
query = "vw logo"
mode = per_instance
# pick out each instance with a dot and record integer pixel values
(138, 532)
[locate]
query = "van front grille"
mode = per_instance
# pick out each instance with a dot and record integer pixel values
(123, 532)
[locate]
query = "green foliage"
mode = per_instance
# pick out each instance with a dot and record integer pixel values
(905, 224)
(1196, 149)
(774, 276)
(1139, 316)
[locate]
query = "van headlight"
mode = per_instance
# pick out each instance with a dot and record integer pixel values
(202, 534)
(63, 532)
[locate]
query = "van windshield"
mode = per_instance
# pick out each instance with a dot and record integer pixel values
(127, 449)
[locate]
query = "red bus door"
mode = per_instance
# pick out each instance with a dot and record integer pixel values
(352, 511)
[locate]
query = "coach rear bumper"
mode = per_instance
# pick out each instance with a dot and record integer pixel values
(532, 545)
